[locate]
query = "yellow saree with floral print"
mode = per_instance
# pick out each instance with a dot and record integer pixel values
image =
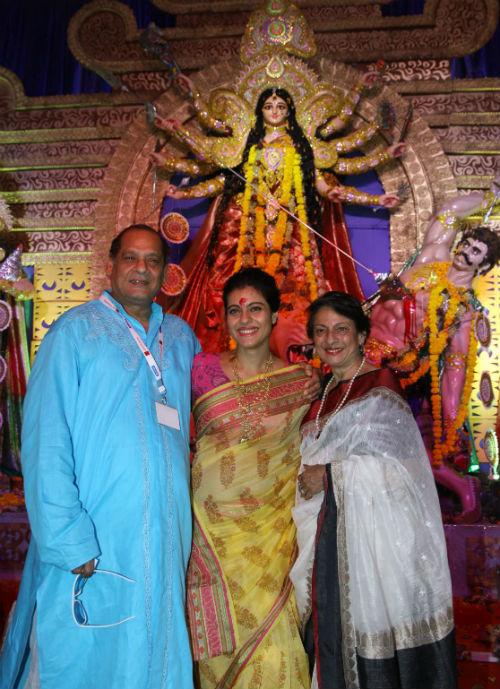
(242, 612)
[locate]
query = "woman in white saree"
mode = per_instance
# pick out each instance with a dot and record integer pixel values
(372, 578)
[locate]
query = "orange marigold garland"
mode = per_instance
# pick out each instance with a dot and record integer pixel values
(274, 258)
(419, 372)
(438, 341)
(303, 230)
(243, 239)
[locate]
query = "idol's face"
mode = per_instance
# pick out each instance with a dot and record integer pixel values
(336, 340)
(469, 255)
(275, 111)
(137, 271)
(248, 317)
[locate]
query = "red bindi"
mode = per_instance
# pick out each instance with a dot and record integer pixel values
(243, 301)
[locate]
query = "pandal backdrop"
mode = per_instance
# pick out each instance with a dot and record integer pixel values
(103, 178)
(76, 169)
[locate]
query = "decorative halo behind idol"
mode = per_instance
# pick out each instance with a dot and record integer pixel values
(175, 280)
(174, 228)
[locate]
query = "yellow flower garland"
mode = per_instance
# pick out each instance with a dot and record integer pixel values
(245, 207)
(292, 178)
(303, 231)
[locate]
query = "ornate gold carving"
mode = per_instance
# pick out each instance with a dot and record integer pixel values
(448, 86)
(474, 165)
(447, 28)
(413, 70)
(273, 26)
(68, 258)
(13, 97)
(46, 212)
(483, 139)
(49, 195)
(469, 182)
(11, 90)
(463, 118)
(48, 179)
(42, 242)
(51, 225)
(103, 34)
(189, 6)
(74, 153)
(70, 134)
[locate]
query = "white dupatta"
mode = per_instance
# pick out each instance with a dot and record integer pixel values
(394, 579)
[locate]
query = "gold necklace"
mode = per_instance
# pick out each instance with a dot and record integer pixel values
(342, 401)
(275, 127)
(251, 411)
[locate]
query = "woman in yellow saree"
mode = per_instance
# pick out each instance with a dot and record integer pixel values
(248, 409)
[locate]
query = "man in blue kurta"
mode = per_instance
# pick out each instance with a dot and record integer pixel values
(106, 469)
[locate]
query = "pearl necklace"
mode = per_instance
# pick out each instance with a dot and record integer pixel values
(342, 401)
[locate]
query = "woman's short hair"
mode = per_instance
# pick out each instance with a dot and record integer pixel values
(343, 304)
(259, 280)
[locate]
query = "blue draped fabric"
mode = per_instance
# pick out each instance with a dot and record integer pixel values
(33, 44)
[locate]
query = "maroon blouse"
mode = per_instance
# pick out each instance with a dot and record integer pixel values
(380, 378)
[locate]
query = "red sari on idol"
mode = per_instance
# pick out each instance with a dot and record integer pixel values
(201, 305)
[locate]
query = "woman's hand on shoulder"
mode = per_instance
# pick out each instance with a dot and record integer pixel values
(311, 480)
(312, 385)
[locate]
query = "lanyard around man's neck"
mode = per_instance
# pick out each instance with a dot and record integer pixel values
(151, 361)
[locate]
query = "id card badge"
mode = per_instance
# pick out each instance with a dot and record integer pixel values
(167, 416)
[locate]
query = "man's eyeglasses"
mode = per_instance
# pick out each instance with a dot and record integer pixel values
(80, 616)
